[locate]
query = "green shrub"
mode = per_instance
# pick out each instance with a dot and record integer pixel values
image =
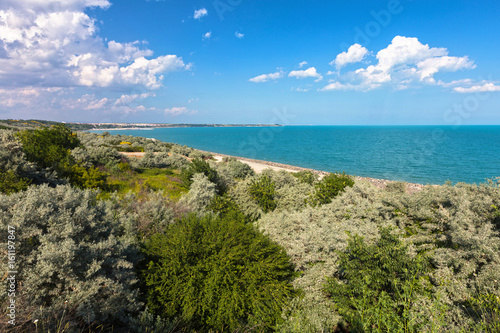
(263, 192)
(49, 147)
(87, 177)
(224, 206)
(217, 273)
(201, 166)
(329, 187)
(16, 172)
(305, 176)
(376, 286)
(11, 183)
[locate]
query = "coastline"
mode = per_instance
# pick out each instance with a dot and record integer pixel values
(260, 165)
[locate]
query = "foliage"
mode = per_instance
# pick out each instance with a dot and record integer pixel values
(305, 176)
(225, 206)
(16, 173)
(96, 156)
(487, 308)
(210, 272)
(263, 192)
(329, 187)
(49, 147)
(201, 166)
(237, 169)
(87, 177)
(376, 286)
(67, 250)
(11, 183)
(200, 194)
(142, 181)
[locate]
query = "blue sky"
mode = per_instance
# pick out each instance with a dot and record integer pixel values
(239, 61)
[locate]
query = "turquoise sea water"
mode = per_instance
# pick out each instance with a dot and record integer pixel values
(421, 154)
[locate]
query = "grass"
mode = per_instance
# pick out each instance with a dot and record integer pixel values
(143, 180)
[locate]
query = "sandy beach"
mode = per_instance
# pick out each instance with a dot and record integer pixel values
(259, 165)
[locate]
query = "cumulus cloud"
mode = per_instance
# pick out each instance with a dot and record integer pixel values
(178, 110)
(334, 85)
(302, 74)
(267, 77)
(54, 102)
(302, 64)
(207, 35)
(404, 62)
(199, 13)
(487, 87)
(239, 35)
(354, 54)
(128, 99)
(54, 43)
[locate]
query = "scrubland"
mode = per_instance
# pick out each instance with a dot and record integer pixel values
(177, 242)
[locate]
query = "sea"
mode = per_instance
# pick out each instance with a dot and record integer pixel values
(417, 154)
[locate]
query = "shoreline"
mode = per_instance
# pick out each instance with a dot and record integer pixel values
(259, 165)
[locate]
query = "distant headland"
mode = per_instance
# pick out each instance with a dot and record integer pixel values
(81, 126)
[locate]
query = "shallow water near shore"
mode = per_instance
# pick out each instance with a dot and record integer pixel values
(417, 154)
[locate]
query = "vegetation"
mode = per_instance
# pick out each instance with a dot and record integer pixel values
(263, 192)
(329, 187)
(377, 287)
(210, 272)
(172, 241)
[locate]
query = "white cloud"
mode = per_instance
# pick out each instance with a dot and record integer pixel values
(178, 110)
(55, 103)
(54, 43)
(267, 77)
(334, 85)
(487, 87)
(354, 54)
(199, 13)
(302, 74)
(128, 99)
(302, 64)
(430, 66)
(403, 63)
(239, 35)
(300, 89)
(207, 35)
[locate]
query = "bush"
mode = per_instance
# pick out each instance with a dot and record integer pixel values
(67, 250)
(200, 194)
(49, 147)
(16, 173)
(305, 176)
(263, 192)
(239, 170)
(11, 183)
(376, 286)
(329, 187)
(217, 273)
(201, 166)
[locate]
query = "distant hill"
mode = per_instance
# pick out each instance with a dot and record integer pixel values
(34, 123)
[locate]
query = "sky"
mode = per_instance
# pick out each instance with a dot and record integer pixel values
(358, 62)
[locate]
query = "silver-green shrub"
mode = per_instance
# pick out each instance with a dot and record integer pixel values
(141, 216)
(94, 156)
(13, 159)
(457, 227)
(67, 250)
(200, 194)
